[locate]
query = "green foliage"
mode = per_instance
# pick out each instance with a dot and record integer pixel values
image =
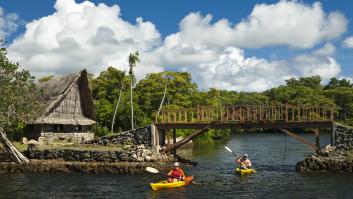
(343, 98)
(313, 82)
(99, 130)
(252, 99)
(335, 83)
(19, 98)
(180, 91)
(105, 91)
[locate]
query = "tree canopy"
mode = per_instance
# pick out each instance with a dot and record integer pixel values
(19, 98)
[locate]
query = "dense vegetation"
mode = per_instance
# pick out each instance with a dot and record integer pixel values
(19, 97)
(182, 92)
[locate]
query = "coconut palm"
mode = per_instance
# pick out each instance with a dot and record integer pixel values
(133, 59)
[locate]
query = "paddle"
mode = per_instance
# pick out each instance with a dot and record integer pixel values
(154, 170)
(228, 149)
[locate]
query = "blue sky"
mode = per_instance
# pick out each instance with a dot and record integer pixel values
(250, 59)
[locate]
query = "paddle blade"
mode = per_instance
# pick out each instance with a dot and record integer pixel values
(152, 170)
(228, 149)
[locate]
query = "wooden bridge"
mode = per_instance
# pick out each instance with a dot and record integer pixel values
(280, 117)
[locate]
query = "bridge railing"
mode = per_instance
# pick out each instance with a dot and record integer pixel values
(246, 113)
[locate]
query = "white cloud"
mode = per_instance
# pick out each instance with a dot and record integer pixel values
(288, 23)
(8, 23)
(348, 42)
(327, 50)
(309, 65)
(229, 68)
(81, 35)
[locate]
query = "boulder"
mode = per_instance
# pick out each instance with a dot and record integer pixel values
(24, 140)
(42, 140)
(35, 142)
(126, 147)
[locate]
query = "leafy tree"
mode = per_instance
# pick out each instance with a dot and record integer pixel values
(180, 91)
(252, 99)
(334, 83)
(313, 82)
(298, 95)
(19, 101)
(105, 90)
(343, 98)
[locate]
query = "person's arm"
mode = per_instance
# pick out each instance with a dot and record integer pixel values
(249, 163)
(170, 173)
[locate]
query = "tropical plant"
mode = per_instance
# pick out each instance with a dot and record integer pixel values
(133, 59)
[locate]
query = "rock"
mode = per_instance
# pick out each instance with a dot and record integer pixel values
(126, 147)
(147, 158)
(42, 140)
(146, 151)
(33, 142)
(24, 140)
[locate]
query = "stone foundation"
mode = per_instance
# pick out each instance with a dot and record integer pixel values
(133, 137)
(131, 154)
(71, 137)
(343, 137)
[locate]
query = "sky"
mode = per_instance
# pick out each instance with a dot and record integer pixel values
(233, 45)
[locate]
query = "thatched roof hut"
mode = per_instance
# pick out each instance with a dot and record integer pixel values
(69, 106)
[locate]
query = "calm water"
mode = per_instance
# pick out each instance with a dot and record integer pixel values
(275, 178)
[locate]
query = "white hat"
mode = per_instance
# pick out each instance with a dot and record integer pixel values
(245, 155)
(176, 164)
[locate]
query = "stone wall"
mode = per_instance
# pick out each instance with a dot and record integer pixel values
(71, 137)
(133, 137)
(128, 154)
(343, 137)
(53, 166)
(4, 157)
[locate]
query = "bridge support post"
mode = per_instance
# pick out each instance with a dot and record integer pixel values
(333, 133)
(154, 139)
(317, 138)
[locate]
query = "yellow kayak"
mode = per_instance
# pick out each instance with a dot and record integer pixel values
(244, 171)
(170, 185)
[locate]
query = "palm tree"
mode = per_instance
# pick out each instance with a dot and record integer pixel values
(133, 59)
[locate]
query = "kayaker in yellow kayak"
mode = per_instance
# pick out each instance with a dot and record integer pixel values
(244, 162)
(176, 174)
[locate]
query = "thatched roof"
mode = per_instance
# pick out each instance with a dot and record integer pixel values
(68, 100)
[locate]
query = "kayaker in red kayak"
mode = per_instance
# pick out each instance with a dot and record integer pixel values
(176, 174)
(244, 162)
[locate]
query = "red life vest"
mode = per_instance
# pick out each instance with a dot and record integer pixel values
(176, 173)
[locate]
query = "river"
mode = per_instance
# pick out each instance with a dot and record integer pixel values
(273, 155)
